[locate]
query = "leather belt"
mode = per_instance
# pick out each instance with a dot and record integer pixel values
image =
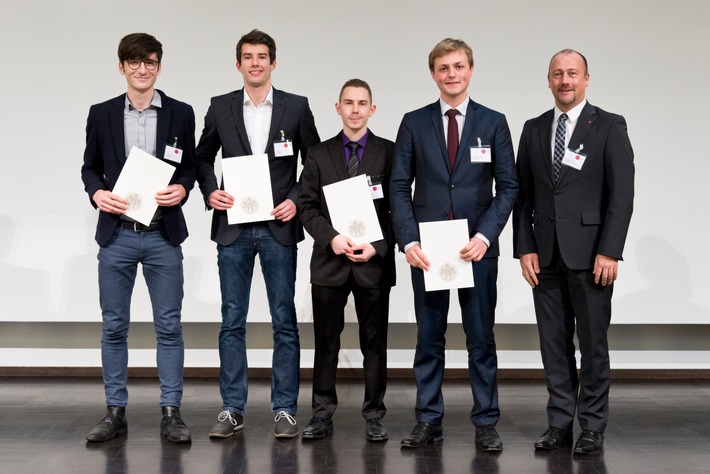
(138, 227)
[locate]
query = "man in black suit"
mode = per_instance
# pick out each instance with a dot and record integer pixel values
(253, 120)
(339, 266)
(576, 173)
(455, 151)
(165, 128)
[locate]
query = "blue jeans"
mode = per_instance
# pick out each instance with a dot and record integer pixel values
(162, 270)
(236, 267)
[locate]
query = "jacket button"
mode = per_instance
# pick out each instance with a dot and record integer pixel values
(552, 219)
(453, 186)
(445, 213)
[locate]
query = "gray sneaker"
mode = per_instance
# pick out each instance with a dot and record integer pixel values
(286, 426)
(228, 423)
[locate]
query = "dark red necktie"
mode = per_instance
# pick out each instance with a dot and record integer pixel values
(452, 137)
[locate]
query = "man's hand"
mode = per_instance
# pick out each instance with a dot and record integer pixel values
(606, 270)
(416, 257)
(474, 250)
(110, 202)
(342, 245)
(220, 200)
(170, 196)
(530, 263)
(285, 211)
(366, 252)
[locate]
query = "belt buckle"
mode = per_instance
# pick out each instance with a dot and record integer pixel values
(135, 227)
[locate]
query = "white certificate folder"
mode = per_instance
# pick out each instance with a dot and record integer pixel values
(248, 180)
(441, 242)
(141, 177)
(352, 211)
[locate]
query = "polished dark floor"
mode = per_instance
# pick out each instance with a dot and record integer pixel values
(655, 428)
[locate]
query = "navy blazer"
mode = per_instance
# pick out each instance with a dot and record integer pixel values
(105, 155)
(421, 156)
(224, 128)
(325, 164)
(588, 211)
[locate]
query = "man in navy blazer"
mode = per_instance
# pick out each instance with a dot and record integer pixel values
(253, 120)
(576, 172)
(459, 186)
(339, 266)
(153, 122)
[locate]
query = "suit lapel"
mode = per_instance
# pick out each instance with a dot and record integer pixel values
(372, 150)
(584, 123)
(437, 124)
(468, 124)
(237, 106)
(337, 157)
(545, 136)
(277, 113)
(117, 129)
(162, 138)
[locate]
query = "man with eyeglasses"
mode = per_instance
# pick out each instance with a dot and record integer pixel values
(165, 128)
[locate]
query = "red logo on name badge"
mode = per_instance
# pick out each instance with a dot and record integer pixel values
(483, 152)
(577, 157)
(374, 188)
(177, 151)
(286, 145)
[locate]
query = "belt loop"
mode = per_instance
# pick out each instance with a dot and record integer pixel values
(135, 226)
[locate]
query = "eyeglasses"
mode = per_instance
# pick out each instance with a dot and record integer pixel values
(148, 63)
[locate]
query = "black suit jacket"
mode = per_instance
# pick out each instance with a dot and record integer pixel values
(224, 128)
(105, 155)
(325, 164)
(420, 154)
(587, 210)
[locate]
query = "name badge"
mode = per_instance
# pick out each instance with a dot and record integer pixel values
(480, 154)
(574, 159)
(173, 154)
(376, 190)
(283, 148)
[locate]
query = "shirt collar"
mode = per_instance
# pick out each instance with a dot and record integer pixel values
(362, 141)
(462, 107)
(269, 98)
(572, 114)
(156, 103)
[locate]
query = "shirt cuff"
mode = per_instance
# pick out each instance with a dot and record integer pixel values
(410, 245)
(483, 238)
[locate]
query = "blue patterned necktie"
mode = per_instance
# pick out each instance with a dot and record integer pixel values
(352, 159)
(559, 144)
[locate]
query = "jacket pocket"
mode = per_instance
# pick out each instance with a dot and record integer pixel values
(591, 218)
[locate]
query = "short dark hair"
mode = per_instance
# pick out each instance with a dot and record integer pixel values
(257, 37)
(356, 83)
(569, 51)
(449, 45)
(139, 46)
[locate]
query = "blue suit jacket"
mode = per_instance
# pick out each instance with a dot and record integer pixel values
(105, 155)
(421, 156)
(224, 128)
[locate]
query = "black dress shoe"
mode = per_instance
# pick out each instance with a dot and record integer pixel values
(422, 434)
(173, 428)
(113, 424)
(375, 430)
(487, 438)
(589, 442)
(554, 438)
(318, 428)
